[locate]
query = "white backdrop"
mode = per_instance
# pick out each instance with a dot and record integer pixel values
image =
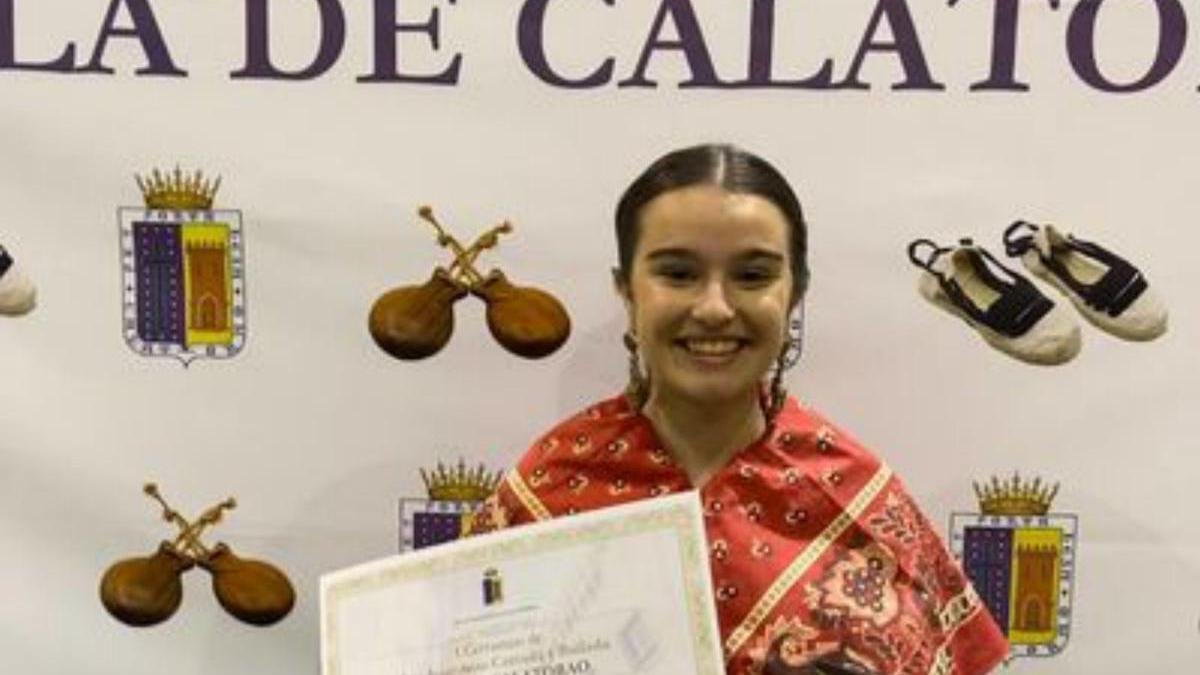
(318, 433)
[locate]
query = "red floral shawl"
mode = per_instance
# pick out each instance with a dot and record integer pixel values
(815, 545)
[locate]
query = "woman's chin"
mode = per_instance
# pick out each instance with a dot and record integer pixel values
(715, 391)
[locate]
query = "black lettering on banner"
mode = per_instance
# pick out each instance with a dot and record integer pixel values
(258, 40)
(1081, 45)
(1005, 20)
(64, 63)
(762, 48)
(531, 33)
(674, 28)
(904, 42)
(387, 48)
(690, 41)
(145, 29)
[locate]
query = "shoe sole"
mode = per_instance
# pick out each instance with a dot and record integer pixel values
(17, 293)
(1054, 350)
(1144, 320)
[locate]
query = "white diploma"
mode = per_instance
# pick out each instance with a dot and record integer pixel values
(610, 592)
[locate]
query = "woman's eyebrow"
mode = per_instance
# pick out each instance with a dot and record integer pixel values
(757, 254)
(670, 253)
(752, 255)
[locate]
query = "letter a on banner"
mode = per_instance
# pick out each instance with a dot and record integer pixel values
(690, 42)
(905, 43)
(145, 29)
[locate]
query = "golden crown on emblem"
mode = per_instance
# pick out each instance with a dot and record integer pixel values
(1015, 497)
(460, 484)
(178, 191)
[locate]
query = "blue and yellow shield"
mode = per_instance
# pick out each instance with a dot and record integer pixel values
(1021, 560)
(182, 270)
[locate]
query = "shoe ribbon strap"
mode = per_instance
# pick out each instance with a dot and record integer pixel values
(925, 261)
(1018, 238)
(1114, 292)
(1019, 306)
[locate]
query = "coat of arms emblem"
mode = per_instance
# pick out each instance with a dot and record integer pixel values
(1021, 560)
(454, 495)
(183, 270)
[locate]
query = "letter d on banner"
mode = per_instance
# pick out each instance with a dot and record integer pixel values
(258, 43)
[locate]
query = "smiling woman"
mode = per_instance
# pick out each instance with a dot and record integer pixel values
(712, 247)
(817, 551)
(708, 297)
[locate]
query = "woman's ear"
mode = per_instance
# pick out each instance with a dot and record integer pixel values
(797, 298)
(621, 286)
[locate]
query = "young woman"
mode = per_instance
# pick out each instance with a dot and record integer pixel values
(817, 551)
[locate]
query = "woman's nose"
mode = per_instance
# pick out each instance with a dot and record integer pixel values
(712, 305)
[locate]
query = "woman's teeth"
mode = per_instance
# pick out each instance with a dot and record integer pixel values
(712, 347)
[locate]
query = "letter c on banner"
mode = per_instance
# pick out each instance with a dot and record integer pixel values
(531, 32)
(1081, 45)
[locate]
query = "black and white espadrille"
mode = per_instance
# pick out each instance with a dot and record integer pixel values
(1005, 308)
(1108, 291)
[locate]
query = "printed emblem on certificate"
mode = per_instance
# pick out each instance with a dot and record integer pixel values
(613, 592)
(182, 271)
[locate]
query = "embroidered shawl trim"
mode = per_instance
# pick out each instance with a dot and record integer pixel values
(532, 504)
(954, 615)
(811, 553)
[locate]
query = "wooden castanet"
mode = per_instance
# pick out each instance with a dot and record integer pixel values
(251, 590)
(415, 322)
(526, 321)
(145, 591)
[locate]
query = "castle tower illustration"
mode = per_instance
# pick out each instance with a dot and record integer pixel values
(1036, 571)
(206, 254)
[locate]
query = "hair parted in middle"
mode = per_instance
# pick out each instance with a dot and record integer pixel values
(723, 165)
(737, 171)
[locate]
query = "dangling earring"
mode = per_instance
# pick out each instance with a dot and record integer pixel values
(789, 356)
(638, 389)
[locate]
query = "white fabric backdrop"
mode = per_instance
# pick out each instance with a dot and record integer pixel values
(318, 433)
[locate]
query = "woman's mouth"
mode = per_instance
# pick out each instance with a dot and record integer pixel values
(711, 350)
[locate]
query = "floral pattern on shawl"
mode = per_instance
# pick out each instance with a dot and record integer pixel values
(787, 644)
(815, 547)
(859, 585)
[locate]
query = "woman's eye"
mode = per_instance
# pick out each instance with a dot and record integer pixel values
(676, 273)
(757, 275)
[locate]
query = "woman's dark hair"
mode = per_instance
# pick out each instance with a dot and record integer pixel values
(725, 166)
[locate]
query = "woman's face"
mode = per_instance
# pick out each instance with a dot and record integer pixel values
(709, 292)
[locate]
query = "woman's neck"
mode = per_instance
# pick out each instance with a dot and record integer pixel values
(703, 437)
